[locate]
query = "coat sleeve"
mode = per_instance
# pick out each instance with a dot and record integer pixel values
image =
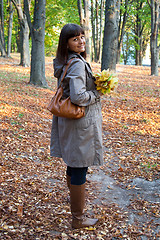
(76, 75)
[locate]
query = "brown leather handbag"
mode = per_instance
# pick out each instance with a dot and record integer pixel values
(63, 107)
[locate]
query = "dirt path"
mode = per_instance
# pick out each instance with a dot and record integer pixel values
(136, 199)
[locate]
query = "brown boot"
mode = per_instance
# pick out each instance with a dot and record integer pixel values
(77, 207)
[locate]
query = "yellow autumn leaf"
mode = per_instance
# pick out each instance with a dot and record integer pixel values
(90, 228)
(106, 81)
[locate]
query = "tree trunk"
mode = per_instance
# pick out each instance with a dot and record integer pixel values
(140, 52)
(17, 30)
(154, 37)
(97, 32)
(2, 39)
(101, 27)
(84, 21)
(86, 28)
(93, 31)
(10, 28)
(24, 34)
(25, 53)
(138, 34)
(110, 40)
(37, 75)
(2, 47)
(80, 11)
(125, 50)
(121, 29)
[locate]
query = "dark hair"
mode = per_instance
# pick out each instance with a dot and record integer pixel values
(68, 31)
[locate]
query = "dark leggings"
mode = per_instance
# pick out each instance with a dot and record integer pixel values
(78, 175)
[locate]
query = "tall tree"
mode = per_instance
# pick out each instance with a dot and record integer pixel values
(138, 33)
(10, 28)
(2, 38)
(37, 29)
(141, 26)
(101, 27)
(155, 8)
(110, 40)
(84, 21)
(124, 8)
(24, 34)
(97, 23)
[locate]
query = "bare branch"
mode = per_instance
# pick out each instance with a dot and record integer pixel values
(149, 3)
(15, 4)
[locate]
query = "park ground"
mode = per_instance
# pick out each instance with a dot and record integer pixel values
(124, 193)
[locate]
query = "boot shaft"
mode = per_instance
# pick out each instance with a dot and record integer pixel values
(77, 193)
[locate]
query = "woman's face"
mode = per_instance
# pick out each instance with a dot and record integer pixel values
(77, 44)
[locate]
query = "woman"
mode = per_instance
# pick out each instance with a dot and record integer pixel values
(77, 141)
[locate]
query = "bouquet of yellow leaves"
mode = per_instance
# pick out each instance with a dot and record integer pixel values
(106, 81)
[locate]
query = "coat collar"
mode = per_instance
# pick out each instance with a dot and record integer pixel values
(87, 65)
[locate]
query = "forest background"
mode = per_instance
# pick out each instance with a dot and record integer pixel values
(116, 31)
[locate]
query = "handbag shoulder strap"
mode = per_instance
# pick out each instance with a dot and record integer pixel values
(65, 71)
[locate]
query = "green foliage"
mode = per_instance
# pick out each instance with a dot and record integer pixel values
(58, 13)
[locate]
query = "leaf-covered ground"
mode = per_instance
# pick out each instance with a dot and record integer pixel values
(33, 193)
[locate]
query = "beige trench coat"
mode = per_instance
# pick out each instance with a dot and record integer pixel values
(78, 141)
